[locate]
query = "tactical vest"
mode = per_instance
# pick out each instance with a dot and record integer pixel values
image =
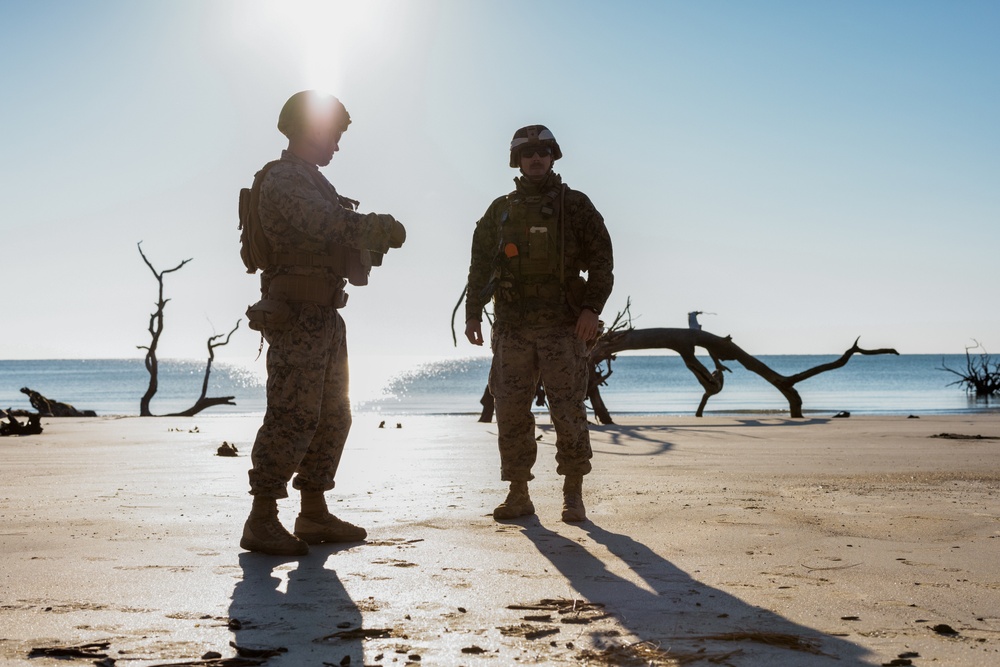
(257, 254)
(531, 240)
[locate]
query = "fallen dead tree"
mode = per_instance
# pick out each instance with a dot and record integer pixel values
(49, 408)
(720, 349)
(14, 427)
(621, 336)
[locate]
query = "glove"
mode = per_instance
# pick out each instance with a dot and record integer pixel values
(397, 234)
(389, 226)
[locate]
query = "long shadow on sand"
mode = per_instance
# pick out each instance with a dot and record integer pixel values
(294, 610)
(665, 607)
(657, 436)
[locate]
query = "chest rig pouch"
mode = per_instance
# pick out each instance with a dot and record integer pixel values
(531, 240)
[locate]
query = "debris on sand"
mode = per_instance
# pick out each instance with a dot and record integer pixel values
(237, 661)
(246, 657)
(560, 605)
(357, 633)
(50, 408)
(573, 611)
(528, 631)
(226, 449)
(959, 436)
(258, 652)
(780, 639)
(91, 650)
(642, 654)
(473, 650)
(14, 427)
(539, 618)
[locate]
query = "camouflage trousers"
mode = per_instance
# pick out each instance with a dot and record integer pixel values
(308, 414)
(521, 357)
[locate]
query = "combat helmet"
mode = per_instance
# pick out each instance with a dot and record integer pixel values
(310, 107)
(532, 134)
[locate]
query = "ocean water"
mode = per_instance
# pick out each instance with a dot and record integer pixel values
(641, 384)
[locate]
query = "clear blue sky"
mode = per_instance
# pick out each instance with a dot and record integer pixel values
(810, 172)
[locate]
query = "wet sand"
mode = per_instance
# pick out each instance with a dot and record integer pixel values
(735, 541)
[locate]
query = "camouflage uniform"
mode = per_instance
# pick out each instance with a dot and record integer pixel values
(533, 335)
(308, 413)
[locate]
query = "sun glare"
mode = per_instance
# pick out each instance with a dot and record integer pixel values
(329, 38)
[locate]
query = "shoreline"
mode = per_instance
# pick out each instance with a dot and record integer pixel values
(642, 385)
(752, 540)
(542, 413)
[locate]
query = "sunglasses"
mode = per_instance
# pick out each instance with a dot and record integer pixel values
(542, 151)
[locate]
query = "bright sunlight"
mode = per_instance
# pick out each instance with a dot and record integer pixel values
(328, 38)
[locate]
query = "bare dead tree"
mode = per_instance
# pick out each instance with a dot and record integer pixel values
(204, 401)
(720, 350)
(152, 364)
(981, 376)
(155, 329)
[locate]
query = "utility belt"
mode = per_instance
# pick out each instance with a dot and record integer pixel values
(572, 291)
(351, 263)
(549, 291)
(274, 312)
(307, 289)
(334, 262)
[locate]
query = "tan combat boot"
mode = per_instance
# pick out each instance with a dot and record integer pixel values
(517, 504)
(315, 524)
(573, 509)
(264, 534)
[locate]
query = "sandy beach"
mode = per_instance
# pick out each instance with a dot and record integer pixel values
(732, 541)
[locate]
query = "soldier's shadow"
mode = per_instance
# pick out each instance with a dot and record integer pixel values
(288, 608)
(661, 604)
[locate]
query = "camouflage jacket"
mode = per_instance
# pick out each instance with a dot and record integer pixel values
(297, 217)
(587, 248)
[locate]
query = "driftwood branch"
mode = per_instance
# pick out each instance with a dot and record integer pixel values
(48, 407)
(621, 336)
(720, 349)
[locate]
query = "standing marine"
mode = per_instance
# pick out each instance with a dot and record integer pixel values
(529, 252)
(308, 241)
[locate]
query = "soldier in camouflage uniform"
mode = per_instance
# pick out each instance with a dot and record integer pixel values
(528, 252)
(311, 235)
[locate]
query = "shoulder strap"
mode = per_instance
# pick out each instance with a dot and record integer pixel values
(258, 178)
(562, 234)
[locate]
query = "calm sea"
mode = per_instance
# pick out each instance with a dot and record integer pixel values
(907, 384)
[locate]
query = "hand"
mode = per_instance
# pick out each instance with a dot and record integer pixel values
(474, 332)
(586, 325)
(397, 234)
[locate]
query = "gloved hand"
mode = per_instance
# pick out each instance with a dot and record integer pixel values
(397, 234)
(396, 231)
